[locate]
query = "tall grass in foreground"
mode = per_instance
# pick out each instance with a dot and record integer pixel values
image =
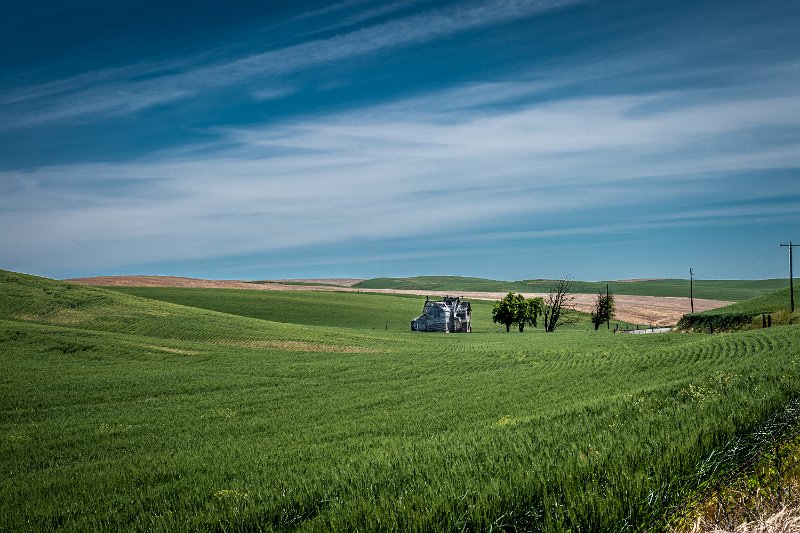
(125, 413)
(764, 496)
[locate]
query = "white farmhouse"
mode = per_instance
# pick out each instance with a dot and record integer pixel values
(448, 315)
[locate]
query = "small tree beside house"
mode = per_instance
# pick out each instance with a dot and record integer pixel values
(505, 311)
(516, 309)
(528, 312)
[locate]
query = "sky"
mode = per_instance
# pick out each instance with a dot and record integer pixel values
(508, 139)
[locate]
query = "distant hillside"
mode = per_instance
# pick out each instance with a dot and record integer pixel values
(730, 290)
(772, 302)
(45, 301)
(744, 314)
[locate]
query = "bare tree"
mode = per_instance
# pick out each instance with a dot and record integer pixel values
(557, 303)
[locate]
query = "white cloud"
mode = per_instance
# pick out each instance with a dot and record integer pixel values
(378, 174)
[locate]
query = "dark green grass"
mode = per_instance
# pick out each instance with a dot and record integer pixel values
(745, 315)
(122, 413)
(729, 290)
(769, 303)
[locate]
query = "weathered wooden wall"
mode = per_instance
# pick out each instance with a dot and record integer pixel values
(446, 316)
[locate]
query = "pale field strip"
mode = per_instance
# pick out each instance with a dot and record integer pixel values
(642, 310)
(787, 520)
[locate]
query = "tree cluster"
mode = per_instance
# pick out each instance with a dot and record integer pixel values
(603, 309)
(516, 309)
(554, 308)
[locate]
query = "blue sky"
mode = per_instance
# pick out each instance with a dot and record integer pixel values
(498, 138)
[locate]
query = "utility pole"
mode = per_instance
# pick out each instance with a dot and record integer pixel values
(791, 286)
(691, 288)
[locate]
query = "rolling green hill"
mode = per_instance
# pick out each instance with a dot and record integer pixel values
(727, 290)
(126, 413)
(44, 301)
(771, 302)
(364, 311)
(746, 314)
(339, 309)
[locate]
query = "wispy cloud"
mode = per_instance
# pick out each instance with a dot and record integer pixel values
(131, 89)
(328, 10)
(364, 15)
(272, 93)
(374, 173)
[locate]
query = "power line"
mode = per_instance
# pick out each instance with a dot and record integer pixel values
(791, 286)
(750, 265)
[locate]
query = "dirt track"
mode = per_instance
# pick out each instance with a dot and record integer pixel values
(644, 310)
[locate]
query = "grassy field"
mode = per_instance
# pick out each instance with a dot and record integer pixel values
(120, 412)
(729, 290)
(366, 311)
(338, 309)
(747, 314)
(772, 302)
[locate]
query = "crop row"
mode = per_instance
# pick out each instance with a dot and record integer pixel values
(125, 413)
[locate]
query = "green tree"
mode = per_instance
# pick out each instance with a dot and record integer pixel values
(528, 311)
(603, 309)
(505, 311)
(516, 309)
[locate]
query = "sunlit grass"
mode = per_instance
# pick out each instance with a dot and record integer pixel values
(146, 415)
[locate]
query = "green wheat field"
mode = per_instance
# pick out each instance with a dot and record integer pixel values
(212, 410)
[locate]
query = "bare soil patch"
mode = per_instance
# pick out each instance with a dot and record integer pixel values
(643, 310)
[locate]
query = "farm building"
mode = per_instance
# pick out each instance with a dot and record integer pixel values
(449, 315)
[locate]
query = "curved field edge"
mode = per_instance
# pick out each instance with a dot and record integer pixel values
(114, 420)
(40, 300)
